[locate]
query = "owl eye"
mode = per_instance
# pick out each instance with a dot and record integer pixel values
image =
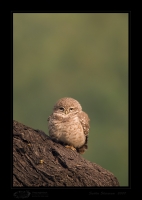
(71, 108)
(61, 108)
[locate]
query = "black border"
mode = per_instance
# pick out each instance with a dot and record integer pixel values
(61, 192)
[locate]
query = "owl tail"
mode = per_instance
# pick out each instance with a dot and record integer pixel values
(82, 149)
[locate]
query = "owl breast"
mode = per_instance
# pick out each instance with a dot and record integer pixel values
(67, 130)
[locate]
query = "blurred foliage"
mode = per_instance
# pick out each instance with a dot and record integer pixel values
(83, 56)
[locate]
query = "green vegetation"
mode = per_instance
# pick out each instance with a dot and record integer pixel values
(84, 56)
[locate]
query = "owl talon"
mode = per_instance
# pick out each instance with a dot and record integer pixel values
(70, 147)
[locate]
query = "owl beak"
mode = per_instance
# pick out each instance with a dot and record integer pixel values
(66, 112)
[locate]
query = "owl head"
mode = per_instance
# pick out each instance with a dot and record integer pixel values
(67, 106)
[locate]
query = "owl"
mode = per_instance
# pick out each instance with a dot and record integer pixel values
(69, 125)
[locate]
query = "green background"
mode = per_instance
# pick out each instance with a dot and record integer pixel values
(78, 55)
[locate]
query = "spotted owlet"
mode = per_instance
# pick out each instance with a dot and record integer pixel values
(69, 125)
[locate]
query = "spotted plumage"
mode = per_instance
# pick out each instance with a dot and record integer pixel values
(69, 125)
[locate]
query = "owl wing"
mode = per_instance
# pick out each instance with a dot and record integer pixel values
(84, 120)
